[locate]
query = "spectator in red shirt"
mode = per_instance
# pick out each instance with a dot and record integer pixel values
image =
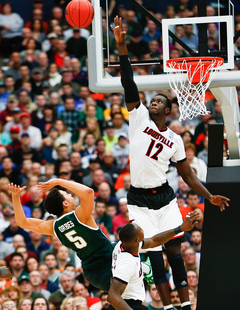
(80, 290)
(61, 53)
(122, 218)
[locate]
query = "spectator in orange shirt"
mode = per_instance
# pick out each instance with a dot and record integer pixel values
(193, 203)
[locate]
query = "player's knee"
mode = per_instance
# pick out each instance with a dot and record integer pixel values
(178, 271)
(157, 263)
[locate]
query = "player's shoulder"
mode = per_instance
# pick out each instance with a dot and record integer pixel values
(173, 135)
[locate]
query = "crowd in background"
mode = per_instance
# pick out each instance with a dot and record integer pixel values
(52, 126)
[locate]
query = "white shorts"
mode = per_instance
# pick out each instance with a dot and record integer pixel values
(155, 221)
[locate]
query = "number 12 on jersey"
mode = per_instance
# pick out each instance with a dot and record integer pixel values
(159, 147)
(78, 241)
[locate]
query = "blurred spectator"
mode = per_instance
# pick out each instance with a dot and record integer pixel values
(189, 257)
(67, 78)
(25, 77)
(33, 132)
(46, 283)
(27, 288)
(196, 239)
(77, 170)
(25, 151)
(62, 257)
(193, 203)
(187, 137)
(54, 273)
(156, 300)
(203, 155)
(7, 114)
(89, 150)
(183, 188)
(11, 25)
(80, 290)
(196, 163)
(121, 150)
(122, 218)
(14, 293)
(104, 301)
(9, 171)
(14, 64)
(37, 245)
(110, 138)
(3, 96)
(80, 76)
(101, 217)
(8, 303)
(51, 48)
(25, 101)
(60, 53)
(64, 136)
(122, 192)
(37, 114)
(43, 62)
(192, 278)
(105, 196)
(25, 303)
(67, 281)
(120, 125)
(15, 120)
(192, 296)
(5, 247)
(175, 297)
(35, 280)
(189, 38)
(31, 264)
(13, 229)
(54, 77)
(37, 30)
(151, 32)
(9, 82)
(37, 83)
(100, 148)
(45, 123)
(109, 165)
(17, 265)
(67, 303)
(69, 115)
(77, 45)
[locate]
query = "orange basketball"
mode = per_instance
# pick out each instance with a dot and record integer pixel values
(79, 13)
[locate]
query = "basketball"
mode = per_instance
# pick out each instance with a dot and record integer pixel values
(79, 13)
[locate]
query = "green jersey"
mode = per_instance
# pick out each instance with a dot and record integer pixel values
(91, 246)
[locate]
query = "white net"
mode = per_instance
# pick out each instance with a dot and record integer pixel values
(190, 87)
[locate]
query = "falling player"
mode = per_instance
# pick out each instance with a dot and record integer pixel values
(76, 228)
(151, 201)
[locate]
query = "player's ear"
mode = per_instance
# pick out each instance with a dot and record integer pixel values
(65, 204)
(167, 111)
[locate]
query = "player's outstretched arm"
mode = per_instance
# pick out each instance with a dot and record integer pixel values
(36, 225)
(130, 87)
(165, 236)
(193, 182)
(115, 295)
(84, 192)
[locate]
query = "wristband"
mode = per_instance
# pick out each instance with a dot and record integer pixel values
(177, 230)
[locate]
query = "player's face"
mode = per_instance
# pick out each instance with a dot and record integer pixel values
(158, 106)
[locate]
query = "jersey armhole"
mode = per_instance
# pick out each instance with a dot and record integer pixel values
(182, 160)
(120, 280)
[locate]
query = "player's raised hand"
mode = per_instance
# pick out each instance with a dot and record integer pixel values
(15, 189)
(189, 221)
(46, 186)
(5, 273)
(220, 201)
(118, 33)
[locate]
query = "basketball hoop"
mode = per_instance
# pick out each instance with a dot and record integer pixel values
(190, 88)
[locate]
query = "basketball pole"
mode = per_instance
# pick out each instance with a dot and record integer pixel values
(202, 30)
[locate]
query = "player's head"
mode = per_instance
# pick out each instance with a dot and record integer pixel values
(131, 233)
(164, 105)
(57, 201)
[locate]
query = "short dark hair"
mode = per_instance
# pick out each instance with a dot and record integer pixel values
(16, 254)
(53, 202)
(168, 101)
(128, 233)
(69, 265)
(191, 192)
(33, 303)
(103, 294)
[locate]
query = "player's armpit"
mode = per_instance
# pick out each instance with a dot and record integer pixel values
(39, 226)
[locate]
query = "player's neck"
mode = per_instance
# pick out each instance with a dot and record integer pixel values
(131, 249)
(160, 122)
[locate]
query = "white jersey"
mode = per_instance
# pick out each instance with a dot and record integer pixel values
(127, 268)
(151, 149)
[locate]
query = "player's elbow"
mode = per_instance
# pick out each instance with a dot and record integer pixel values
(112, 298)
(90, 192)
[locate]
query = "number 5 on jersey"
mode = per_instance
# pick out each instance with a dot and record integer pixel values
(78, 241)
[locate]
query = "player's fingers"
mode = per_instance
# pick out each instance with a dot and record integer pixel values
(120, 22)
